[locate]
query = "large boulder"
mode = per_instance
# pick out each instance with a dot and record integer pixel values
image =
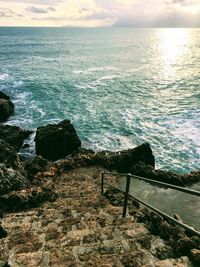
(56, 141)
(6, 109)
(14, 135)
(121, 161)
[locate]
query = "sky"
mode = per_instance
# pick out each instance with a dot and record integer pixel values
(100, 13)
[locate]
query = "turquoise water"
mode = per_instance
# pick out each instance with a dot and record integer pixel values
(119, 87)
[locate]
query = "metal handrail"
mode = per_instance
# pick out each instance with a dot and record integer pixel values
(127, 195)
(179, 188)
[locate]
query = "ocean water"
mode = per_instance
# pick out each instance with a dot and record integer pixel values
(119, 87)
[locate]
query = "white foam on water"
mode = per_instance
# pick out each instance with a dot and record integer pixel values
(3, 76)
(93, 70)
(21, 98)
(189, 130)
(17, 83)
(108, 77)
(111, 141)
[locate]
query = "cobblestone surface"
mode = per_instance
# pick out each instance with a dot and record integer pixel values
(81, 228)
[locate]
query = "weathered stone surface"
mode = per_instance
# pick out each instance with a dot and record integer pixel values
(179, 244)
(181, 262)
(9, 157)
(121, 161)
(6, 109)
(25, 199)
(80, 228)
(13, 135)
(16, 190)
(56, 141)
(143, 170)
(11, 179)
(38, 164)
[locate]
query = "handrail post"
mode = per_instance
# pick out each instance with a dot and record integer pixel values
(102, 183)
(128, 179)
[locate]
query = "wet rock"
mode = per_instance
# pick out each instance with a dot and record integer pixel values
(4, 96)
(56, 141)
(143, 170)
(26, 198)
(11, 179)
(25, 146)
(13, 135)
(6, 109)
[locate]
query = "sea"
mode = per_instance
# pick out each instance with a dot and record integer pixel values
(120, 87)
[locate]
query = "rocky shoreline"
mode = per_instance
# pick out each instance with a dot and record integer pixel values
(26, 185)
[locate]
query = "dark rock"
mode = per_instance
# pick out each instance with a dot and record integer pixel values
(134, 259)
(124, 160)
(11, 179)
(9, 156)
(25, 199)
(4, 264)
(195, 256)
(143, 170)
(14, 135)
(6, 109)
(56, 141)
(4, 96)
(38, 164)
(25, 146)
(165, 230)
(186, 244)
(120, 161)
(3, 232)
(164, 252)
(145, 241)
(155, 222)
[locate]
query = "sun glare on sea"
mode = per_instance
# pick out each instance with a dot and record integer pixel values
(174, 48)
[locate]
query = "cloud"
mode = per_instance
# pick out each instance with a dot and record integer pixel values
(5, 14)
(169, 13)
(8, 13)
(184, 2)
(123, 13)
(35, 2)
(168, 20)
(33, 9)
(178, 20)
(60, 18)
(99, 15)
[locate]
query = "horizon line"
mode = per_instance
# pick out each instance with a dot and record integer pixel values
(94, 27)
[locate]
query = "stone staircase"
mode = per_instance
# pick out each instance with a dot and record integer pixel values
(81, 228)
